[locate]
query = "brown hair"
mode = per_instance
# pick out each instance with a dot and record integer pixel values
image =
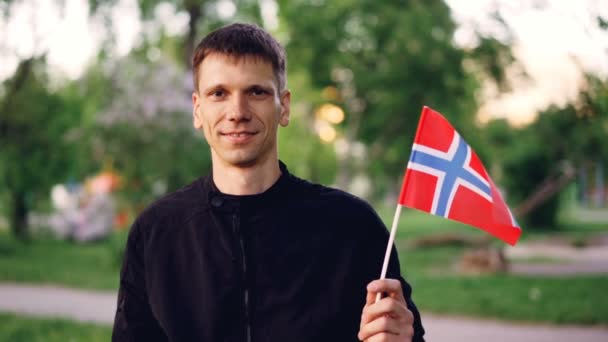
(240, 40)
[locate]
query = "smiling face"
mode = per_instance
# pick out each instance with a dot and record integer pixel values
(238, 106)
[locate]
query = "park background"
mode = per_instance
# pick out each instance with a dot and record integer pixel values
(100, 91)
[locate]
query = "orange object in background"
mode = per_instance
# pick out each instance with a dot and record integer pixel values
(121, 220)
(104, 182)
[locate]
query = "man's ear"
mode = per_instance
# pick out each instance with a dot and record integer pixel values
(197, 121)
(285, 107)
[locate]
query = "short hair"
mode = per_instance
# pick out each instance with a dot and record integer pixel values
(241, 40)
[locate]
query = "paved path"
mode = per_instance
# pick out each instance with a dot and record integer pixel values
(79, 305)
(98, 307)
(465, 329)
(558, 252)
(567, 260)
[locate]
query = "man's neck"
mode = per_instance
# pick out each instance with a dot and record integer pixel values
(234, 180)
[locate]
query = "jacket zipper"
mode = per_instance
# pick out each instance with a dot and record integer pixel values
(235, 225)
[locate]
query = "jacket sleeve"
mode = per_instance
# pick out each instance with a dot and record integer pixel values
(134, 320)
(394, 272)
(380, 239)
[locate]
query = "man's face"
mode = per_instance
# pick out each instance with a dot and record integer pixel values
(239, 106)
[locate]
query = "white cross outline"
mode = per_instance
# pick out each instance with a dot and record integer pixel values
(449, 156)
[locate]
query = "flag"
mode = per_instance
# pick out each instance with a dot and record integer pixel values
(445, 177)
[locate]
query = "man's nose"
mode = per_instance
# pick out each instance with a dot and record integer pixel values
(239, 108)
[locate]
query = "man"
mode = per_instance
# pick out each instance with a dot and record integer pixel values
(251, 252)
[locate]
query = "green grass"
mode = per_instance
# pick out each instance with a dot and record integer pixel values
(45, 260)
(578, 300)
(414, 224)
(19, 329)
(437, 287)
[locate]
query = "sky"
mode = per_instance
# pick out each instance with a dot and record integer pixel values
(553, 44)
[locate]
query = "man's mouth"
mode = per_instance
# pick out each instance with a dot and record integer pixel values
(238, 137)
(239, 134)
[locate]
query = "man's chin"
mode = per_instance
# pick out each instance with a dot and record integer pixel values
(246, 163)
(242, 161)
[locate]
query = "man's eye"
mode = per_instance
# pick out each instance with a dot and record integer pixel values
(218, 93)
(258, 92)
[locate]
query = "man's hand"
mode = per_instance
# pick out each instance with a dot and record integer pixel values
(389, 319)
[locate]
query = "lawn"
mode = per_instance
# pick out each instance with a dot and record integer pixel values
(415, 224)
(437, 287)
(94, 265)
(20, 329)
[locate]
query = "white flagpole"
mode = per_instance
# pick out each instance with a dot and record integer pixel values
(389, 247)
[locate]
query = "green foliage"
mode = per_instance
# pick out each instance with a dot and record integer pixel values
(20, 329)
(299, 147)
(491, 57)
(594, 119)
(304, 154)
(145, 128)
(203, 16)
(36, 153)
(525, 167)
(35, 121)
(387, 59)
(560, 138)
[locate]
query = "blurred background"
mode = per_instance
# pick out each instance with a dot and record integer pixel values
(95, 123)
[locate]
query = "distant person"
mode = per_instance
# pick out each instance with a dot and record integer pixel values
(251, 252)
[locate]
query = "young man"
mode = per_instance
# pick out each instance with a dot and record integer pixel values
(251, 252)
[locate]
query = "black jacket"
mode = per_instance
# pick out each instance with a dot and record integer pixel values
(290, 264)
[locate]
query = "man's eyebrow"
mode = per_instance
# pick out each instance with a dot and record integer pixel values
(256, 86)
(212, 88)
(260, 86)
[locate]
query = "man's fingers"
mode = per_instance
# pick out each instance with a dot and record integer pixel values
(380, 325)
(389, 319)
(405, 335)
(390, 286)
(370, 298)
(387, 307)
(382, 337)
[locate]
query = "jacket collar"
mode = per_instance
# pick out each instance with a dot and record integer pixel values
(215, 199)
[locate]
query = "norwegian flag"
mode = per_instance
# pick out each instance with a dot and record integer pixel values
(445, 177)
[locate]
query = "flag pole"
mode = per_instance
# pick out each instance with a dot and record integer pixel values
(389, 247)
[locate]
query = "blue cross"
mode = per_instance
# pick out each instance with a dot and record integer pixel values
(453, 170)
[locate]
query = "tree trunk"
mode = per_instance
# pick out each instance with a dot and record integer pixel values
(195, 13)
(548, 188)
(18, 215)
(14, 87)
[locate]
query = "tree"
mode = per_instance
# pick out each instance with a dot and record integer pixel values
(386, 59)
(34, 123)
(36, 151)
(203, 16)
(539, 160)
(146, 128)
